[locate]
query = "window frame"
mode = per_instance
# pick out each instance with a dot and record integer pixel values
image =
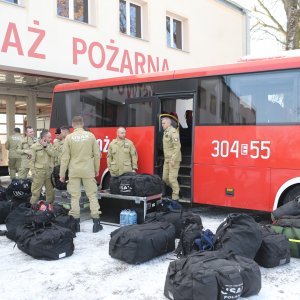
(71, 12)
(128, 19)
(177, 19)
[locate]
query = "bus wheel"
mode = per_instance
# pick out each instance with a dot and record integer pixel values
(292, 194)
(105, 182)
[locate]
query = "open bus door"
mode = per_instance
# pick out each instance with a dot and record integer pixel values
(142, 115)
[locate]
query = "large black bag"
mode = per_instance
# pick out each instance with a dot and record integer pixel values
(290, 227)
(135, 244)
(147, 185)
(133, 184)
(291, 208)
(274, 250)
(15, 218)
(212, 275)
(55, 179)
(51, 242)
(240, 234)
(3, 193)
(180, 219)
(5, 207)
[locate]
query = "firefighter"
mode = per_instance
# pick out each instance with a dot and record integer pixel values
(14, 159)
(81, 156)
(122, 156)
(172, 156)
(41, 164)
(58, 143)
(24, 150)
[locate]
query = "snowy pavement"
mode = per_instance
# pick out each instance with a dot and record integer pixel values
(90, 273)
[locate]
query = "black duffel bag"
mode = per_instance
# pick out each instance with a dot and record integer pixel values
(291, 208)
(274, 250)
(15, 218)
(133, 184)
(180, 219)
(55, 179)
(147, 185)
(212, 275)
(136, 244)
(5, 207)
(51, 242)
(3, 196)
(240, 234)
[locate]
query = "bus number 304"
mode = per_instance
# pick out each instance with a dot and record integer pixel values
(254, 149)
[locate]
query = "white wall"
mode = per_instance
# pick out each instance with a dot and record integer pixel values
(214, 34)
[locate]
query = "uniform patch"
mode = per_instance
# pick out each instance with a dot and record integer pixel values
(126, 145)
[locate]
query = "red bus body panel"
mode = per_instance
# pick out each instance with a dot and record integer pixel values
(255, 181)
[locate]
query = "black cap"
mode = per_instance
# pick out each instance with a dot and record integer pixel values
(58, 131)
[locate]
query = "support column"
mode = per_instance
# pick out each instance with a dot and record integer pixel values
(31, 110)
(10, 114)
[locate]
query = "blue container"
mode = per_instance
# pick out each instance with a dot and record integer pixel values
(123, 217)
(132, 217)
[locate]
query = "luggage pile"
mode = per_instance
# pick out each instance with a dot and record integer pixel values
(43, 231)
(287, 222)
(224, 265)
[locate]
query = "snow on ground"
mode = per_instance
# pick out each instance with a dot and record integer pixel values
(90, 273)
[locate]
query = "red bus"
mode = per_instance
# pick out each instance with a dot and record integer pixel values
(239, 127)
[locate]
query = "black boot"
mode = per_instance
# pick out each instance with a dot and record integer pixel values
(97, 226)
(77, 225)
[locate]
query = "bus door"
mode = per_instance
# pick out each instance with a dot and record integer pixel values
(141, 123)
(180, 107)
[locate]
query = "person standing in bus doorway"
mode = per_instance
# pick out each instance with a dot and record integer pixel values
(24, 150)
(121, 156)
(58, 143)
(81, 155)
(14, 159)
(172, 156)
(41, 164)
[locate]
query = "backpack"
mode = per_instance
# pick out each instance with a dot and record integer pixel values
(205, 242)
(212, 275)
(51, 242)
(19, 189)
(187, 237)
(168, 205)
(55, 179)
(136, 244)
(240, 234)
(274, 250)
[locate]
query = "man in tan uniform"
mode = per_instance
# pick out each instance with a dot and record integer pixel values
(24, 150)
(14, 159)
(81, 156)
(121, 156)
(58, 143)
(172, 155)
(41, 164)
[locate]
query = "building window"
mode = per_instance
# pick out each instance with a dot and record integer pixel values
(74, 9)
(13, 1)
(174, 33)
(130, 18)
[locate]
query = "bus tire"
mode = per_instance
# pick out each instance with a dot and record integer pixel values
(292, 194)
